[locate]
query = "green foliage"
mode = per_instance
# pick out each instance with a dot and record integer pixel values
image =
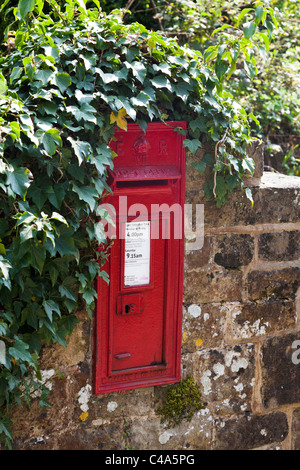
(273, 96)
(72, 74)
(290, 163)
(181, 402)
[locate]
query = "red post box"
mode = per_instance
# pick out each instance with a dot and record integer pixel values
(139, 313)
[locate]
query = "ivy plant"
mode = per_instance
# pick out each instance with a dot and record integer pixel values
(68, 78)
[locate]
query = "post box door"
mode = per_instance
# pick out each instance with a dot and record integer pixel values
(139, 320)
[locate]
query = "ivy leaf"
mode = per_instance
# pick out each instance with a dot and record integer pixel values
(26, 233)
(200, 166)
(86, 194)
(15, 74)
(198, 125)
(18, 179)
(119, 119)
(254, 118)
(248, 164)
(38, 256)
(89, 296)
(59, 217)
(183, 90)
(5, 266)
(85, 112)
(50, 306)
(51, 139)
(82, 149)
(66, 292)
(64, 243)
(160, 81)
(212, 102)
(43, 75)
(192, 145)
(83, 98)
(142, 100)
(3, 86)
(107, 77)
(249, 195)
(100, 161)
(15, 127)
(232, 181)
(19, 351)
(63, 81)
(139, 71)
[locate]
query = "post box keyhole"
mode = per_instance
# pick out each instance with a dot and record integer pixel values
(127, 309)
(130, 309)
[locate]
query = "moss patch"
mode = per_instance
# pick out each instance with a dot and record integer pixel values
(182, 400)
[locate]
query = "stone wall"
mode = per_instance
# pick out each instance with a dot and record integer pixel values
(239, 341)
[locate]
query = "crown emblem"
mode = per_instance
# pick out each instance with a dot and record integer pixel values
(141, 148)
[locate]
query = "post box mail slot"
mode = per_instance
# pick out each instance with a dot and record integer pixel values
(139, 313)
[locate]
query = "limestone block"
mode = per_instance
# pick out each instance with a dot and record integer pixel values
(131, 403)
(234, 250)
(203, 326)
(212, 285)
(251, 431)
(296, 429)
(196, 434)
(199, 258)
(227, 375)
(251, 320)
(276, 200)
(275, 284)
(255, 150)
(281, 370)
(280, 246)
(109, 436)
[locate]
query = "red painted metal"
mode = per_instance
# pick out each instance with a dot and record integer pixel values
(138, 327)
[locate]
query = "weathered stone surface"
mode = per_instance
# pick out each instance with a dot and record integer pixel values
(234, 250)
(253, 319)
(77, 347)
(149, 434)
(193, 178)
(39, 424)
(227, 375)
(276, 284)
(255, 150)
(85, 437)
(187, 364)
(203, 326)
(281, 246)
(199, 258)
(268, 203)
(222, 304)
(251, 431)
(296, 429)
(131, 403)
(212, 285)
(281, 370)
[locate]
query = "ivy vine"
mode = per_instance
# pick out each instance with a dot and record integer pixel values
(69, 75)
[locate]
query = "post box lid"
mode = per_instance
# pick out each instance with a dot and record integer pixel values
(158, 172)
